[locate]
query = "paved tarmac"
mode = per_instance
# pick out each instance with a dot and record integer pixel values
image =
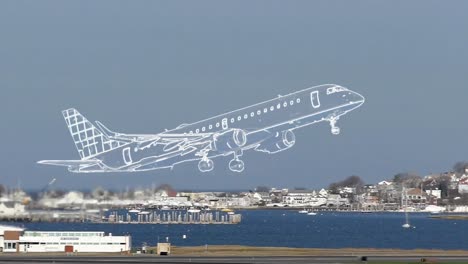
(240, 260)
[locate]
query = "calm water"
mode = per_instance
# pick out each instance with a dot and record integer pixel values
(291, 229)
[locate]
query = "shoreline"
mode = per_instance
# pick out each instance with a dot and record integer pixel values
(239, 250)
(252, 251)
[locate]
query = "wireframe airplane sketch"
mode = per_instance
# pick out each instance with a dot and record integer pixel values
(266, 127)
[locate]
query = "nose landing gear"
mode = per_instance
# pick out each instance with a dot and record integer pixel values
(334, 129)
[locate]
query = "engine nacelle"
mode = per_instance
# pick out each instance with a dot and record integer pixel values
(230, 140)
(281, 141)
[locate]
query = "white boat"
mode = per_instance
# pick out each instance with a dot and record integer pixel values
(193, 210)
(134, 211)
(406, 224)
(230, 213)
(165, 207)
(303, 211)
(311, 213)
(144, 213)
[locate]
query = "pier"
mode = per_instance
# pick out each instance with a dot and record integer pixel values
(174, 217)
(53, 216)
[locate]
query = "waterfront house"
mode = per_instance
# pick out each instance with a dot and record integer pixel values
(463, 185)
(302, 198)
(11, 209)
(416, 195)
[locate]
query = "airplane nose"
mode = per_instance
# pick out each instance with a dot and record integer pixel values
(356, 98)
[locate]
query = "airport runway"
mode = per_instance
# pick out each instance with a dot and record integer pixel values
(240, 260)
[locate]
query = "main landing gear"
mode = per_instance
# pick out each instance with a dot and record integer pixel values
(334, 129)
(236, 164)
(205, 164)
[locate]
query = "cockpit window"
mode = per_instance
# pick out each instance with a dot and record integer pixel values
(314, 98)
(336, 89)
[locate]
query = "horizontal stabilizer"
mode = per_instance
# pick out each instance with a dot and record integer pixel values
(70, 162)
(105, 130)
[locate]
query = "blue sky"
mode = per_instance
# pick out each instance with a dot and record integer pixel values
(144, 66)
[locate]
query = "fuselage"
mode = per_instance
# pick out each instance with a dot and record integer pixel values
(286, 112)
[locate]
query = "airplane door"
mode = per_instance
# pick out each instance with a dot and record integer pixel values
(126, 156)
(314, 98)
(224, 123)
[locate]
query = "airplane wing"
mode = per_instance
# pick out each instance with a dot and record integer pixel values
(179, 142)
(69, 163)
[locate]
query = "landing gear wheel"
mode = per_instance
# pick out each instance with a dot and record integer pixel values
(236, 165)
(335, 130)
(205, 165)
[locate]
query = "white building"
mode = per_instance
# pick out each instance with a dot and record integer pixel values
(8, 247)
(16, 240)
(463, 185)
(299, 198)
(8, 209)
(436, 193)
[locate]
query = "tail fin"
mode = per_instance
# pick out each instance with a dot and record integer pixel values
(89, 140)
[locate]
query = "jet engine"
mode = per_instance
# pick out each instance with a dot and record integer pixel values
(230, 140)
(279, 142)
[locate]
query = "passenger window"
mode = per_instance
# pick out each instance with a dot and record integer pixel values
(210, 127)
(239, 118)
(291, 102)
(298, 100)
(232, 120)
(265, 110)
(272, 108)
(217, 124)
(198, 130)
(246, 116)
(203, 129)
(278, 106)
(252, 114)
(285, 104)
(259, 112)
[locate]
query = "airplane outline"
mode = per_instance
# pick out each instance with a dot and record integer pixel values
(223, 137)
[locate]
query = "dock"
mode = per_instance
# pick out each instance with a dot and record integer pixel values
(174, 217)
(52, 216)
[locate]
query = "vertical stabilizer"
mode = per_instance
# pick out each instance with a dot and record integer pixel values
(89, 140)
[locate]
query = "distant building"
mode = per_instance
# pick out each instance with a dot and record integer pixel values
(8, 209)
(303, 198)
(347, 190)
(370, 189)
(463, 185)
(384, 183)
(416, 195)
(337, 200)
(437, 194)
(262, 197)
